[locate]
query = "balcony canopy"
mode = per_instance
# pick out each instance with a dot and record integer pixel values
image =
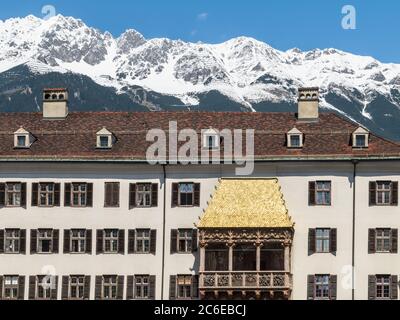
(247, 203)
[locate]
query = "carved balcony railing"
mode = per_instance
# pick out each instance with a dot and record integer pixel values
(252, 280)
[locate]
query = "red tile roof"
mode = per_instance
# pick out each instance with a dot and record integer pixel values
(75, 137)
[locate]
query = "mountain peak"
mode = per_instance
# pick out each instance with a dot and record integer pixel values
(129, 40)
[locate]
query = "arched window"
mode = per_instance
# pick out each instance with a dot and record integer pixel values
(61, 97)
(54, 96)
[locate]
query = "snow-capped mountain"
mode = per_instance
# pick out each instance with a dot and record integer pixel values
(240, 74)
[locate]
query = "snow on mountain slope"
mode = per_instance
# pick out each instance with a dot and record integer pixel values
(247, 71)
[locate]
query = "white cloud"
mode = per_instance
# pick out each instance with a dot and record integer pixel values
(202, 16)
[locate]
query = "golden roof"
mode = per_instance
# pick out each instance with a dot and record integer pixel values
(247, 203)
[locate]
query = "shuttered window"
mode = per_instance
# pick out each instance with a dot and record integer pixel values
(186, 194)
(382, 240)
(382, 287)
(111, 197)
(320, 193)
(322, 240)
(14, 194)
(383, 193)
(12, 241)
(322, 287)
(184, 287)
(79, 194)
(45, 287)
(10, 287)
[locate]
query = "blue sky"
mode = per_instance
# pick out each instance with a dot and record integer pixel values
(283, 24)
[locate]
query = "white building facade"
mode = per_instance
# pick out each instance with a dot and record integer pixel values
(84, 216)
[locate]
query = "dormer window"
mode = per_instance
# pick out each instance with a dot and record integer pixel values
(210, 139)
(294, 139)
(22, 139)
(105, 139)
(360, 138)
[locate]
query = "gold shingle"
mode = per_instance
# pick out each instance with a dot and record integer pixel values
(247, 203)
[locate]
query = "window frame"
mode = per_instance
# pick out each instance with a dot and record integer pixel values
(144, 192)
(79, 193)
(188, 237)
(323, 238)
(13, 239)
(180, 193)
(110, 239)
(47, 291)
(322, 286)
(188, 288)
(143, 239)
(324, 191)
(44, 238)
(142, 285)
(380, 240)
(78, 286)
(382, 285)
(380, 190)
(78, 238)
(47, 193)
(14, 288)
(14, 193)
(110, 284)
(365, 138)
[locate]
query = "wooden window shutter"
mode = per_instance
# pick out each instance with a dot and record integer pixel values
(153, 241)
(53, 292)
(395, 193)
(21, 288)
(86, 291)
(1, 241)
(311, 242)
(333, 241)
(89, 241)
(89, 195)
(57, 194)
(394, 283)
(371, 287)
(371, 241)
(172, 287)
(56, 237)
(121, 241)
(131, 241)
(67, 239)
(107, 194)
(65, 288)
(310, 287)
(154, 195)
(67, 195)
(152, 285)
(194, 240)
(175, 194)
(32, 288)
(99, 241)
(132, 195)
(311, 193)
(23, 194)
(1, 287)
(174, 240)
(35, 194)
(111, 194)
(33, 241)
(22, 241)
(195, 287)
(372, 193)
(196, 198)
(120, 289)
(2, 194)
(130, 287)
(333, 287)
(394, 240)
(98, 287)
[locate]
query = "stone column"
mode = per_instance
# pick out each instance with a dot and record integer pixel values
(202, 257)
(287, 257)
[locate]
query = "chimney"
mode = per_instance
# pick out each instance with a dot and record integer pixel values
(55, 103)
(308, 104)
